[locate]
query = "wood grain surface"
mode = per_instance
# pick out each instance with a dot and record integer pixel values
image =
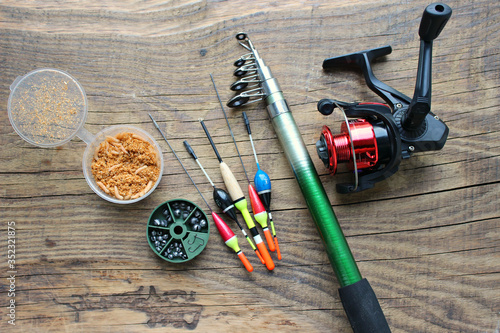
(427, 238)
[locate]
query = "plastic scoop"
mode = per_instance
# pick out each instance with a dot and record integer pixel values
(48, 107)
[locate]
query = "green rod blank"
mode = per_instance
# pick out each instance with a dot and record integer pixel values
(317, 201)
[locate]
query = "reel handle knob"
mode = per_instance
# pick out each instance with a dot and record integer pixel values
(434, 19)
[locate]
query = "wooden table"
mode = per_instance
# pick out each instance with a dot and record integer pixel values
(426, 238)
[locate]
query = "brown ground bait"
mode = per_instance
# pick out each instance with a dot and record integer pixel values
(125, 166)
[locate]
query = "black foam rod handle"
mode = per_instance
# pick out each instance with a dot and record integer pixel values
(433, 21)
(363, 309)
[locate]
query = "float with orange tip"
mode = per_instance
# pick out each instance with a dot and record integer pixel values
(231, 240)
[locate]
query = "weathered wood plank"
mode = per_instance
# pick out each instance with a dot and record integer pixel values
(426, 238)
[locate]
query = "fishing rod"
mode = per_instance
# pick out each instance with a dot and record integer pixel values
(258, 209)
(223, 201)
(360, 302)
(240, 202)
(226, 233)
(263, 185)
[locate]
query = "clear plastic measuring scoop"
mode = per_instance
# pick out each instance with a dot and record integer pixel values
(48, 107)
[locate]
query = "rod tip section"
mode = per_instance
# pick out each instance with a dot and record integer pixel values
(245, 262)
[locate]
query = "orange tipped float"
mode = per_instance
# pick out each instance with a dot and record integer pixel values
(231, 240)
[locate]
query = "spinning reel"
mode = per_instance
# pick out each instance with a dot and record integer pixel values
(374, 143)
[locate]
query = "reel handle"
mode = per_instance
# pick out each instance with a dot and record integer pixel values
(434, 19)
